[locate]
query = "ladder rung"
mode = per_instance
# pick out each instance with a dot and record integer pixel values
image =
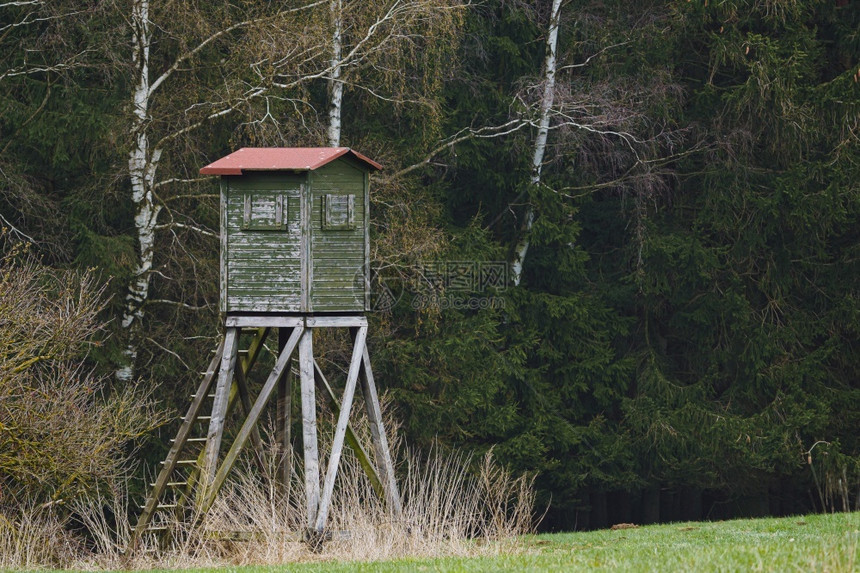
(184, 462)
(161, 506)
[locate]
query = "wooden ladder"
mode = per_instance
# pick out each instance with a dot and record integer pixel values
(179, 475)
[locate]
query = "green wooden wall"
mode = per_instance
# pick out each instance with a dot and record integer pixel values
(261, 268)
(338, 249)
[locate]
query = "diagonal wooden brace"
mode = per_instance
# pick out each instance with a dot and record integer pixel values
(251, 420)
(340, 430)
(351, 439)
(377, 432)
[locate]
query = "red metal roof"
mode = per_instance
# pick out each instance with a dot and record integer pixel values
(281, 159)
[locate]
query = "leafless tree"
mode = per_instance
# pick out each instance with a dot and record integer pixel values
(596, 126)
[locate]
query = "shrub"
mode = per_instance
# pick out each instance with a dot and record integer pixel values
(64, 432)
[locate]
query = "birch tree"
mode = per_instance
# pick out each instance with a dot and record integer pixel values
(605, 125)
(165, 111)
(396, 72)
(335, 84)
(546, 103)
(393, 52)
(142, 166)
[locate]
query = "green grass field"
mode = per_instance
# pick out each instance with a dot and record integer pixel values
(809, 543)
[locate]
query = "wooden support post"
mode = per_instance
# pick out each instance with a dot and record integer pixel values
(340, 429)
(377, 431)
(309, 426)
(251, 420)
(283, 419)
(219, 406)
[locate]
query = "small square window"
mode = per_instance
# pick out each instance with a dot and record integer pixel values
(338, 212)
(264, 212)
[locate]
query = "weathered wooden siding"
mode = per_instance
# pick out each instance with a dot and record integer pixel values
(262, 264)
(338, 241)
(295, 242)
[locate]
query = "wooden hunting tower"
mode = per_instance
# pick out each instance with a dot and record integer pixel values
(294, 233)
(294, 259)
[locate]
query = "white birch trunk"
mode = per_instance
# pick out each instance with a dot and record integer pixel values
(335, 85)
(546, 103)
(142, 164)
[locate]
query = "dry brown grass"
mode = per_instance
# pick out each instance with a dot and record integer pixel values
(35, 537)
(452, 505)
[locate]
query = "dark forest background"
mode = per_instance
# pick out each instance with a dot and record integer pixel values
(683, 341)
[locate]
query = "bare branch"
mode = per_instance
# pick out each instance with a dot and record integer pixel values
(15, 230)
(592, 56)
(22, 3)
(179, 180)
(464, 135)
(184, 305)
(26, 21)
(27, 70)
(197, 125)
(195, 196)
(191, 53)
(171, 352)
(194, 228)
